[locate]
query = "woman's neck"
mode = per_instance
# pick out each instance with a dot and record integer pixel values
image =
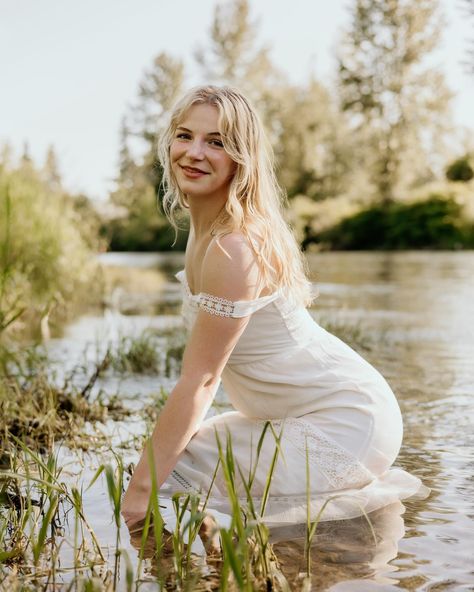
(203, 215)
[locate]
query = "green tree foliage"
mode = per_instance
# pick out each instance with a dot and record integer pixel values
(436, 223)
(310, 140)
(302, 122)
(380, 138)
(398, 104)
(312, 146)
(460, 170)
(44, 254)
(143, 226)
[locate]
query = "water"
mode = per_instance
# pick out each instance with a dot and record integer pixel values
(422, 303)
(415, 312)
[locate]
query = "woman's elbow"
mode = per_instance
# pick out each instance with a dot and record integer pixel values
(197, 381)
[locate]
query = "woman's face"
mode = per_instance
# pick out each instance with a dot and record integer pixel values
(199, 162)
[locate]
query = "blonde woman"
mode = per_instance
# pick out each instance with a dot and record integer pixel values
(245, 294)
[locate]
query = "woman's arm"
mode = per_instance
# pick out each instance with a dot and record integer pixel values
(232, 275)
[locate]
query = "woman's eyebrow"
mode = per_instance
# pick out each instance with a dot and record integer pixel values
(185, 129)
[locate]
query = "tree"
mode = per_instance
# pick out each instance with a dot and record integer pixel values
(460, 170)
(398, 104)
(233, 56)
(307, 132)
(312, 147)
(139, 179)
(50, 171)
(302, 124)
(158, 91)
(46, 249)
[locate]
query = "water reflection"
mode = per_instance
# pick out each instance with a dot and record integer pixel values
(344, 550)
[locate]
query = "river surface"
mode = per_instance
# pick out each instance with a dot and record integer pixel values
(413, 314)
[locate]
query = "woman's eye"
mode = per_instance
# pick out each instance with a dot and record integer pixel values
(183, 136)
(217, 143)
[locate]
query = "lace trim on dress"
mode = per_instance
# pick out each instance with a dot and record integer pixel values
(339, 466)
(216, 305)
(221, 306)
(183, 481)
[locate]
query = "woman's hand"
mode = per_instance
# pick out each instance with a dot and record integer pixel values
(230, 271)
(135, 503)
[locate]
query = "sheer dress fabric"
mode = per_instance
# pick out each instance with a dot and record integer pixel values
(332, 412)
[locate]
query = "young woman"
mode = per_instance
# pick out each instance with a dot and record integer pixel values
(245, 294)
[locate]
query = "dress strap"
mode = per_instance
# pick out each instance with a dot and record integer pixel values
(232, 308)
(217, 305)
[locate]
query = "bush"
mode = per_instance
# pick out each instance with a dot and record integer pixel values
(45, 261)
(436, 223)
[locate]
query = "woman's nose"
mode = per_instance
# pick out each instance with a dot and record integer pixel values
(196, 149)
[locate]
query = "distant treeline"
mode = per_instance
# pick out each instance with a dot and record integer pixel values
(435, 223)
(378, 136)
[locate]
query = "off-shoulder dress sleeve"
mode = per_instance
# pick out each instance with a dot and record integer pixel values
(223, 307)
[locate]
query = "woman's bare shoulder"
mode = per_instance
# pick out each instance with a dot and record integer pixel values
(230, 267)
(232, 244)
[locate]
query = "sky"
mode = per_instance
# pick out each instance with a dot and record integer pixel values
(69, 70)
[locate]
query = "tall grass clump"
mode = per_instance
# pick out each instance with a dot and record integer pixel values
(37, 410)
(248, 561)
(46, 246)
(150, 352)
(34, 503)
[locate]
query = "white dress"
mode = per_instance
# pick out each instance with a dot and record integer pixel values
(324, 399)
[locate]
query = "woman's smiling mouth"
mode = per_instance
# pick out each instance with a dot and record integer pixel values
(193, 172)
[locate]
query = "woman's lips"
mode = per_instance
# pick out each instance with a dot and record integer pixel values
(192, 172)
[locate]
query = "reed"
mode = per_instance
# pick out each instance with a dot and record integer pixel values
(33, 493)
(247, 552)
(114, 480)
(33, 538)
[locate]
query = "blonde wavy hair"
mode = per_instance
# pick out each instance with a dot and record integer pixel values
(255, 205)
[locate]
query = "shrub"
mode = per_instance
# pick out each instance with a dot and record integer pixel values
(45, 261)
(436, 223)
